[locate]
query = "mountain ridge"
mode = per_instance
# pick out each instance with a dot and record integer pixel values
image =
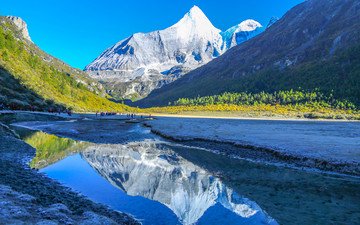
(314, 34)
(146, 61)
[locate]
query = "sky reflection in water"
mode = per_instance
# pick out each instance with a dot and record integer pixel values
(146, 179)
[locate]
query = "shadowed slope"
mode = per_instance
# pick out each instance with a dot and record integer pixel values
(315, 45)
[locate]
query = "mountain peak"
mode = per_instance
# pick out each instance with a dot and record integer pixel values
(195, 21)
(249, 25)
(196, 15)
(196, 12)
(139, 60)
(21, 25)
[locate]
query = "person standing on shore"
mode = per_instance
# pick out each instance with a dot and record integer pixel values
(2, 106)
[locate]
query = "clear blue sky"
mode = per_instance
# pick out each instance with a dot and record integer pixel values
(77, 31)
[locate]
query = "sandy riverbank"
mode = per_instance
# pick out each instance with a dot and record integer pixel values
(29, 197)
(221, 116)
(206, 115)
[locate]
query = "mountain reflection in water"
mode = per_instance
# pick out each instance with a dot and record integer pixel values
(154, 171)
(151, 169)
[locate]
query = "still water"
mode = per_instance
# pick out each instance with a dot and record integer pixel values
(163, 182)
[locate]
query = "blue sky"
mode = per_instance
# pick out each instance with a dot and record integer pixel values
(77, 31)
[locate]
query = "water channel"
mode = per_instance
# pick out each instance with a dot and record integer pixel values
(165, 182)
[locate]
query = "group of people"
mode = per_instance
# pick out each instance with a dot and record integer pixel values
(8, 107)
(105, 114)
(132, 115)
(59, 111)
(54, 111)
(14, 107)
(129, 115)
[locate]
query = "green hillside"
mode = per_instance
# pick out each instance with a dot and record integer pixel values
(333, 82)
(337, 80)
(31, 77)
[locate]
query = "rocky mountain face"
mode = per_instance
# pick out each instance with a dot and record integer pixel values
(144, 62)
(21, 25)
(158, 173)
(311, 46)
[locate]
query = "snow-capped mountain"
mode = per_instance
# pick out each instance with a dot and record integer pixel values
(146, 61)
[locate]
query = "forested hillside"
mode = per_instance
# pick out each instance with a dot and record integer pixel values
(291, 103)
(277, 98)
(31, 77)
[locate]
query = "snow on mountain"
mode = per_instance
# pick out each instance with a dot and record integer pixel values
(194, 25)
(146, 61)
(240, 33)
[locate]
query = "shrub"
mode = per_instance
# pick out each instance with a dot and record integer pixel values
(49, 101)
(19, 104)
(3, 98)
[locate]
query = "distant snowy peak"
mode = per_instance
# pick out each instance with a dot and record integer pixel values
(195, 17)
(247, 25)
(160, 57)
(195, 22)
(240, 33)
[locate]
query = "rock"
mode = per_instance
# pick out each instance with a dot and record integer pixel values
(21, 25)
(91, 218)
(47, 222)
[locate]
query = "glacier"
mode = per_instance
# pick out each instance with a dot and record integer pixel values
(146, 61)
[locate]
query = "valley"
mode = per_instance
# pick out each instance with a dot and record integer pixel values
(180, 122)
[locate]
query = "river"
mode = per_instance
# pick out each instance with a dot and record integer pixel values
(160, 181)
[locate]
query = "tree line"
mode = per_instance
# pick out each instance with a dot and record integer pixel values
(277, 98)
